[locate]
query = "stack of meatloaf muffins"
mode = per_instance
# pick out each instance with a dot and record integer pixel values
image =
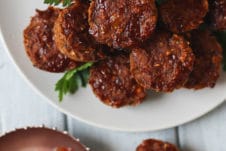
(136, 45)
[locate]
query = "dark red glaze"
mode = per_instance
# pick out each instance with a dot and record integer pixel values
(122, 23)
(218, 14)
(113, 83)
(156, 145)
(40, 139)
(164, 64)
(62, 149)
(207, 66)
(72, 35)
(183, 15)
(40, 45)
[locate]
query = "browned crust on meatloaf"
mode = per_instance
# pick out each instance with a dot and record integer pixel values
(72, 35)
(122, 23)
(40, 46)
(183, 15)
(156, 145)
(207, 66)
(113, 83)
(164, 64)
(218, 14)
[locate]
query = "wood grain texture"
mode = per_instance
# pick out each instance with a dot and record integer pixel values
(19, 105)
(104, 140)
(205, 134)
(2, 62)
(1, 122)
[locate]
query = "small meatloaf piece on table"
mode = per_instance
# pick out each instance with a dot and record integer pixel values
(113, 83)
(183, 15)
(207, 66)
(164, 64)
(122, 23)
(40, 45)
(72, 34)
(218, 14)
(156, 145)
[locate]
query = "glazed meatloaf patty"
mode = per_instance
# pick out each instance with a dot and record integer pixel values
(208, 53)
(40, 45)
(183, 15)
(122, 23)
(218, 14)
(72, 34)
(112, 82)
(156, 145)
(164, 64)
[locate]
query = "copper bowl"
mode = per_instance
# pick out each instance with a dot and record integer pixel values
(39, 139)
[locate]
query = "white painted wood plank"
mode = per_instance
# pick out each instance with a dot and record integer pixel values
(0, 125)
(205, 134)
(2, 62)
(104, 140)
(19, 105)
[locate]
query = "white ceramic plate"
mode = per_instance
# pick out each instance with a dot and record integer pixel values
(159, 111)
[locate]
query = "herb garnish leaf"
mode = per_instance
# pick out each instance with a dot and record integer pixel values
(57, 2)
(72, 79)
(159, 2)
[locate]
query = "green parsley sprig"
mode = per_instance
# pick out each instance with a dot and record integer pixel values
(72, 79)
(159, 2)
(65, 3)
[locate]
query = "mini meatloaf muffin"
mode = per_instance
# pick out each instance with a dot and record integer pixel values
(113, 83)
(122, 23)
(164, 64)
(156, 145)
(72, 34)
(218, 14)
(183, 15)
(207, 66)
(40, 45)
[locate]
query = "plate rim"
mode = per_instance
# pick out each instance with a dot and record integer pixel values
(62, 110)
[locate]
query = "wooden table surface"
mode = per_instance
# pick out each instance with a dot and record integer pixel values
(20, 106)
